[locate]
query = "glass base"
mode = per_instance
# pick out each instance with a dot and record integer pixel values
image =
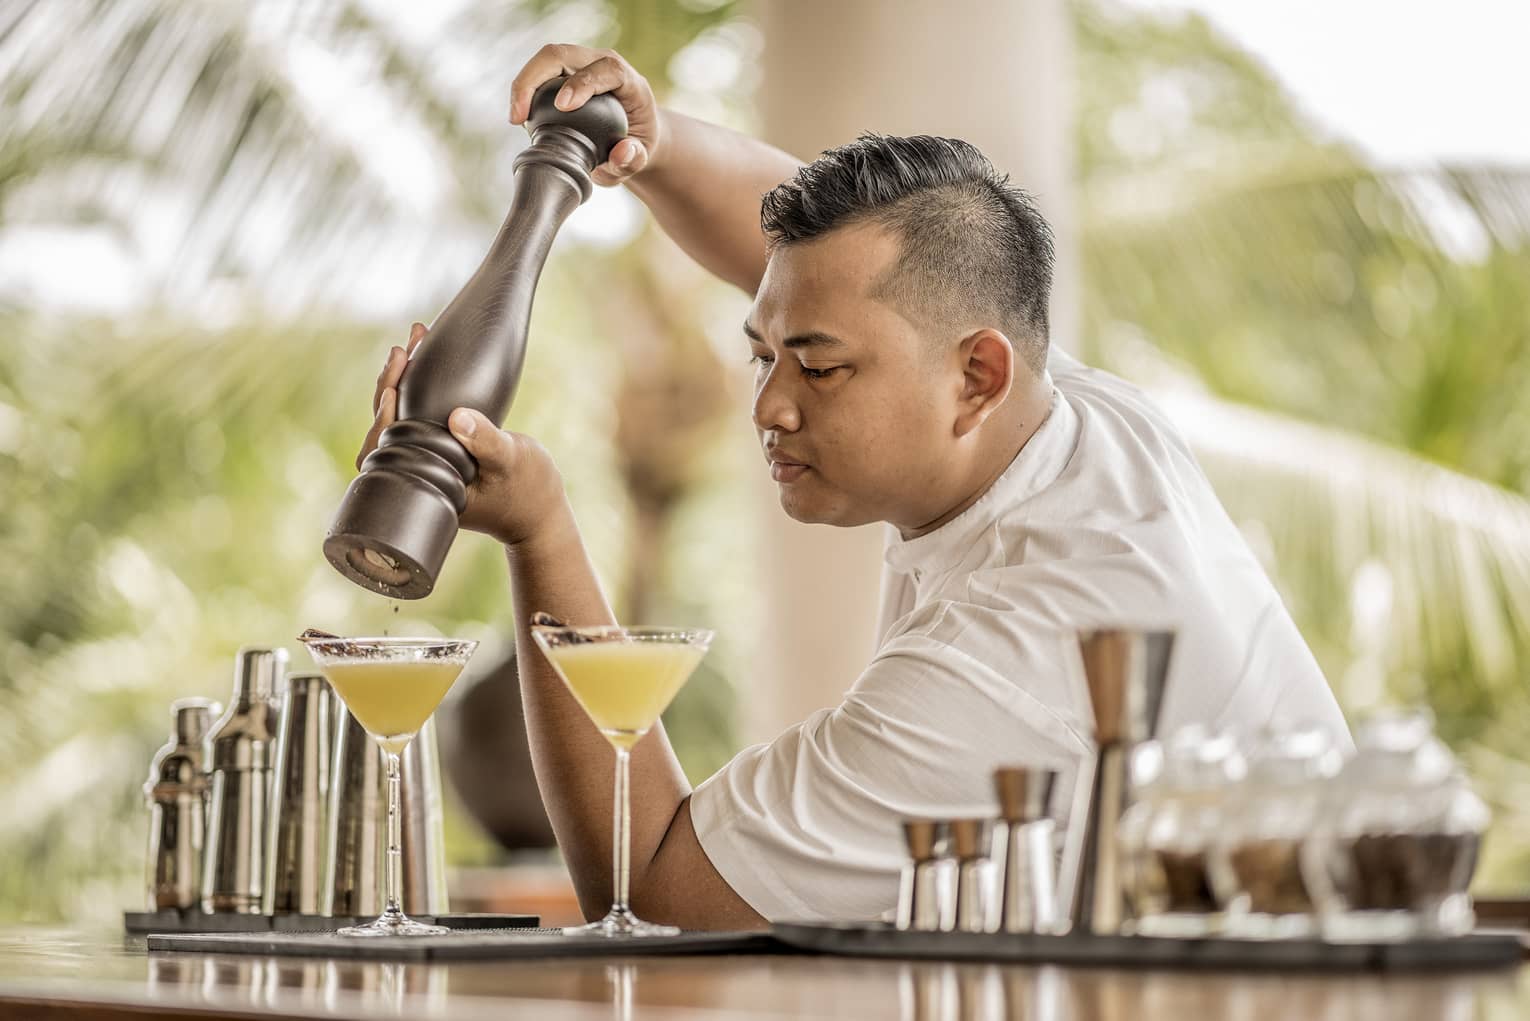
(394, 923)
(619, 924)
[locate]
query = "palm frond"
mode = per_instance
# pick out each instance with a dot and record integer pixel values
(1410, 580)
(203, 100)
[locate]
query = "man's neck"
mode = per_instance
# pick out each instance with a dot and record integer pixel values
(1003, 444)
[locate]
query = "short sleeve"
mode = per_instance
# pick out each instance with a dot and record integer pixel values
(806, 827)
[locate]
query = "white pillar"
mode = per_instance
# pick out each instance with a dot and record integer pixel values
(994, 72)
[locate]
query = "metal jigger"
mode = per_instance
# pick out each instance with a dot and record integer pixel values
(926, 894)
(971, 843)
(1126, 672)
(399, 516)
(1029, 899)
(241, 746)
(299, 785)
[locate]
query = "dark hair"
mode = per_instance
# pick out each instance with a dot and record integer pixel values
(974, 246)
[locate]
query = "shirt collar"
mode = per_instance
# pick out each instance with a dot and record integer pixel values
(1036, 466)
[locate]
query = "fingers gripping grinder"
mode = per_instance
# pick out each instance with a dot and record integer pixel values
(399, 516)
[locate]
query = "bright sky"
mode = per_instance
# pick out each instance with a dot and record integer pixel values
(1409, 80)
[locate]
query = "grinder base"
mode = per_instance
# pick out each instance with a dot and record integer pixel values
(391, 534)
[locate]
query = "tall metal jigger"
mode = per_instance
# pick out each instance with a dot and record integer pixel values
(299, 786)
(1126, 671)
(1028, 902)
(241, 747)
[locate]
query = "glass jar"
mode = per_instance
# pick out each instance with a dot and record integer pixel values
(1259, 863)
(1167, 834)
(1400, 836)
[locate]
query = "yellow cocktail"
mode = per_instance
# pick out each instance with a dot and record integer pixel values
(392, 700)
(624, 679)
(625, 686)
(391, 686)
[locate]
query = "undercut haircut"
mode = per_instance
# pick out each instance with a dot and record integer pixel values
(975, 249)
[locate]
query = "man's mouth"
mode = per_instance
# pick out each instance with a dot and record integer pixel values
(783, 468)
(786, 471)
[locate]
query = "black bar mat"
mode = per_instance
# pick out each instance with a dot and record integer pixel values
(139, 923)
(1479, 950)
(490, 944)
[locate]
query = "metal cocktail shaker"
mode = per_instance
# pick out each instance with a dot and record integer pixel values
(353, 840)
(1126, 672)
(241, 746)
(354, 847)
(299, 786)
(399, 516)
(177, 795)
(423, 827)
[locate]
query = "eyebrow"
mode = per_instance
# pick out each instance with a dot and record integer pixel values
(813, 338)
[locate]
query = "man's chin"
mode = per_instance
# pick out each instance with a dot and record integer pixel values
(812, 512)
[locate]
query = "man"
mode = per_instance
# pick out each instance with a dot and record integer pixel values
(903, 374)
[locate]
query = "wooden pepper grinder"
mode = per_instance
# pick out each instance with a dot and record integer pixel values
(399, 516)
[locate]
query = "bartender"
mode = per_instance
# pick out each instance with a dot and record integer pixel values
(902, 374)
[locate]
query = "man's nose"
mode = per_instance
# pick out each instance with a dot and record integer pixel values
(774, 408)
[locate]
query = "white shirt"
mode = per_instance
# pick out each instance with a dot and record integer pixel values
(1104, 518)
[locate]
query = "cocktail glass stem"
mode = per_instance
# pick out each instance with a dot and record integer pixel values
(621, 830)
(393, 908)
(620, 921)
(393, 921)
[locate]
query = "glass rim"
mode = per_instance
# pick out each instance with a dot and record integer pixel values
(388, 642)
(615, 631)
(380, 649)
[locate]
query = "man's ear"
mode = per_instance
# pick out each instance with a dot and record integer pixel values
(987, 362)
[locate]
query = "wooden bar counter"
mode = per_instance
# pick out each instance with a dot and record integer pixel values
(48, 973)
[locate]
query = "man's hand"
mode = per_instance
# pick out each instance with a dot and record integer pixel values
(592, 73)
(518, 491)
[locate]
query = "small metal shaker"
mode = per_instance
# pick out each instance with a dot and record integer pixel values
(177, 795)
(240, 749)
(926, 894)
(971, 842)
(1029, 899)
(356, 834)
(300, 782)
(1126, 672)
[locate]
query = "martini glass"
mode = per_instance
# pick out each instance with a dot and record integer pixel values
(391, 686)
(624, 678)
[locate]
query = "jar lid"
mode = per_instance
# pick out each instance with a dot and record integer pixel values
(1399, 748)
(1294, 756)
(1194, 759)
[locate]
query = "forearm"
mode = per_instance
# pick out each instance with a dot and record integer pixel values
(574, 764)
(704, 189)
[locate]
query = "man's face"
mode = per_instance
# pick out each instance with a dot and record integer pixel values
(854, 405)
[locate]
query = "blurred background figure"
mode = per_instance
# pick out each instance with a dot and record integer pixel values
(215, 218)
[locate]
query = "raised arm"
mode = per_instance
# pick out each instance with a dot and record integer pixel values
(702, 182)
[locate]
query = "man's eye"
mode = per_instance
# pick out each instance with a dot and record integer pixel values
(820, 373)
(760, 359)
